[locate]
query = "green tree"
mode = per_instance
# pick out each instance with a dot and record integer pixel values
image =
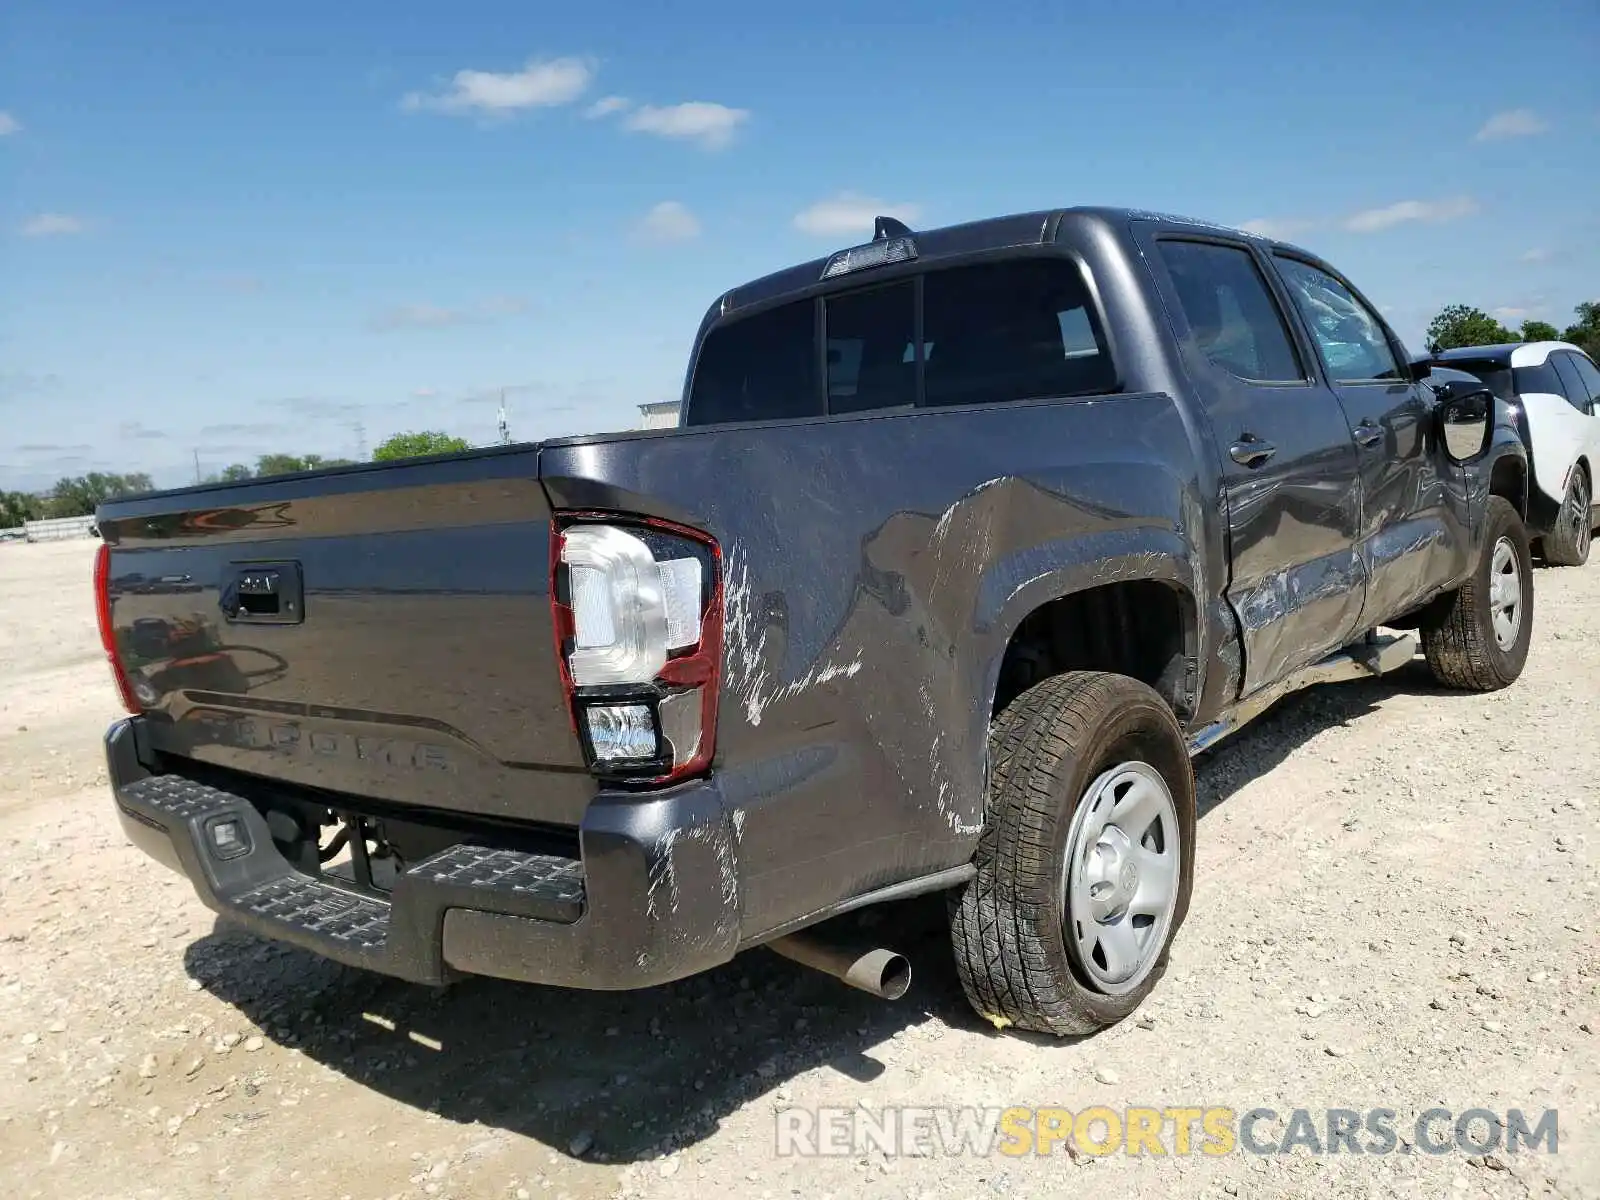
(233, 473)
(1585, 331)
(1460, 325)
(284, 464)
(79, 497)
(1539, 331)
(412, 445)
(17, 507)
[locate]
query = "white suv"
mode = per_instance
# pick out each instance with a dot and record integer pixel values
(1554, 390)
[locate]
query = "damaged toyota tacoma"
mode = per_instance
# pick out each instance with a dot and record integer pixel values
(969, 540)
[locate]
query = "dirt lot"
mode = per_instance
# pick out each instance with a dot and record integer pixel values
(1396, 907)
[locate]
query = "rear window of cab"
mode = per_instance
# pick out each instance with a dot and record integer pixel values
(1020, 329)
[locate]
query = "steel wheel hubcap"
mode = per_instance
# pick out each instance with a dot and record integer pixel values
(1505, 594)
(1120, 883)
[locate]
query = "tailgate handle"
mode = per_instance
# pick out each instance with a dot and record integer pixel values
(263, 594)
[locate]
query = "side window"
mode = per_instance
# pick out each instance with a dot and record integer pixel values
(1541, 380)
(1571, 382)
(1016, 330)
(758, 368)
(1590, 374)
(1349, 336)
(1233, 315)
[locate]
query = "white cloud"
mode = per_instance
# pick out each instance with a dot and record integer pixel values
(1375, 220)
(1516, 122)
(52, 225)
(135, 431)
(606, 106)
(848, 213)
(503, 306)
(540, 84)
(433, 316)
(712, 125)
(669, 221)
(1536, 255)
(418, 316)
(424, 393)
(1280, 228)
(1510, 313)
(9, 124)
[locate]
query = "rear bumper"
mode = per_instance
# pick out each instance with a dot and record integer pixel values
(654, 897)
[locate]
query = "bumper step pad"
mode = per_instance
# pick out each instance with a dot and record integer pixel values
(555, 883)
(263, 890)
(178, 798)
(321, 909)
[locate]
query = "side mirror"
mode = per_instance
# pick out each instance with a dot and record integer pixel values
(1465, 420)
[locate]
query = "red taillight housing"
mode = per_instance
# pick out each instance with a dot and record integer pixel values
(108, 634)
(636, 605)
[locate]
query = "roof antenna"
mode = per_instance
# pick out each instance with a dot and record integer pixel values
(884, 228)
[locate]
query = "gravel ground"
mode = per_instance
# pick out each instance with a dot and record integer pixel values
(1396, 907)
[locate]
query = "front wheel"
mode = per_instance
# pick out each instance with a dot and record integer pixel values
(1086, 861)
(1477, 637)
(1567, 545)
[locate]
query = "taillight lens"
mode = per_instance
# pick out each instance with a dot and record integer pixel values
(108, 635)
(638, 618)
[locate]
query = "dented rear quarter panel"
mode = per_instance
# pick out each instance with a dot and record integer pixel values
(875, 568)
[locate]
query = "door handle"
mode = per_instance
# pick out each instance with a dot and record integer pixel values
(1368, 434)
(1251, 451)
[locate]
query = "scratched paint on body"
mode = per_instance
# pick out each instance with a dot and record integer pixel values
(748, 677)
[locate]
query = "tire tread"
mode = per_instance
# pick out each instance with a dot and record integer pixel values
(1002, 923)
(1458, 641)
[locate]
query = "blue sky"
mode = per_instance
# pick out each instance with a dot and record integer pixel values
(230, 229)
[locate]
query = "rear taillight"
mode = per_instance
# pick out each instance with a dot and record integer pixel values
(638, 623)
(108, 635)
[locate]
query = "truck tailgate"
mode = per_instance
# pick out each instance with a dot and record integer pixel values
(382, 632)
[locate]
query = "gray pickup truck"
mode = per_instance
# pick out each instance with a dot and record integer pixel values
(969, 540)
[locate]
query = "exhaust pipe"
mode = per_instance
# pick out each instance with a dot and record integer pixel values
(873, 969)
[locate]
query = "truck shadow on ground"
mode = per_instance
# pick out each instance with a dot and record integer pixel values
(1287, 726)
(635, 1075)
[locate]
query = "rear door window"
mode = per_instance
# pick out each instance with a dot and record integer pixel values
(1016, 330)
(1230, 311)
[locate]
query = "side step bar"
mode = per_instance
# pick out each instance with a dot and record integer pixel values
(1363, 660)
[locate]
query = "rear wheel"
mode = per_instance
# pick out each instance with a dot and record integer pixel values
(1567, 545)
(1477, 637)
(1087, 858)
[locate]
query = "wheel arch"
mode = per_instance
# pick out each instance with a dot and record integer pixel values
(1145, 625)
(1508, 478)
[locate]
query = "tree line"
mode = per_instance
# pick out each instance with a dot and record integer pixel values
(81, 495)
(1459, 325)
